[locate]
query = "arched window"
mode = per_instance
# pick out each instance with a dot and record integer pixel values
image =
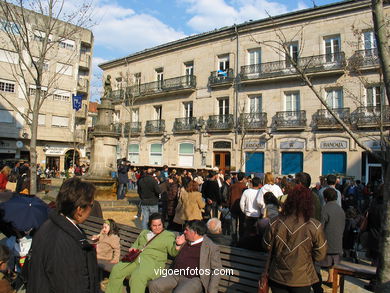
(186, 155)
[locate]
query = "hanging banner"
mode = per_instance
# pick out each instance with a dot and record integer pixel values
(77, 101)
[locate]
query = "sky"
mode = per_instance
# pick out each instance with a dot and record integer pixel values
(123, 27)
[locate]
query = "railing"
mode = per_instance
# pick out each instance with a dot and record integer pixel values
(310, 64)
(176, 83)
(135, 127)
(290, 119)
(371, 115)
(118, 95)
(187, 124)
(117, 128)
(83, 112)
(252, 121)
(155, 126)
(221, 77)
(363, 58)
(325, 119)
(220, 122)
(84, 58)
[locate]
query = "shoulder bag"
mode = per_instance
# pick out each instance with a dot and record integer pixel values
(132, 255)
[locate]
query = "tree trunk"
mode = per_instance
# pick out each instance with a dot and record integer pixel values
(33, 153)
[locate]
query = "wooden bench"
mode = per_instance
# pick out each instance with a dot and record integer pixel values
(346, 268)
(43, 184)
(247, 265)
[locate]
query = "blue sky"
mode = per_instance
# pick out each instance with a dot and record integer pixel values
(127, 26)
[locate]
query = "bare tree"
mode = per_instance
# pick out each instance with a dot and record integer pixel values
(28, 30)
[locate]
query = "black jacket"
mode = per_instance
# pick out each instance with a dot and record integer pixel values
(210, 189)
(148, 190)
(123, 178)
(62, 260)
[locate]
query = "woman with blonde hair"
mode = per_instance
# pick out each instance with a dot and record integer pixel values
(192, 202)
(269, 186)
(4, 173)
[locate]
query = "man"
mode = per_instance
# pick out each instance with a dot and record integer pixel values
(211, 193)
(305, 180)
(331, 182)
(225, 190)
(123, 179)
(214, 227)
(238, 217)
(198, 263)
(153, 257)
(149, 192)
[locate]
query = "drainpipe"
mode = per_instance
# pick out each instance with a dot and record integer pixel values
(236, 84)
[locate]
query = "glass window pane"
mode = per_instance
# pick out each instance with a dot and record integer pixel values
(156, 148)
(186, 148)
(134, 148)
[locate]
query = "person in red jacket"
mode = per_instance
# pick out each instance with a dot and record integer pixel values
(4, 173)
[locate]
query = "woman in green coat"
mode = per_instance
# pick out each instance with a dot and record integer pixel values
(146, 266)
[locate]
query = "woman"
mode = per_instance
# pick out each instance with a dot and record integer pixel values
(269, 186)
(192, 202)
(172, 190)
(295, 240)
(108, 248)
(4, 173)
(155, 244)
(62, 260)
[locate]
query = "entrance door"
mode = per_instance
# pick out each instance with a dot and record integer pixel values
(374, 174)
(254, 162)
(53, 163)
(222, 160)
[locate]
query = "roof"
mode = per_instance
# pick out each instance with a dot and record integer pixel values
(233, 28)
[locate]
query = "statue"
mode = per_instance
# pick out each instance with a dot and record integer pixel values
(107, 87)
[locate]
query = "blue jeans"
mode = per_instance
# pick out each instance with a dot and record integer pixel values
(121, 192)
(146, 212)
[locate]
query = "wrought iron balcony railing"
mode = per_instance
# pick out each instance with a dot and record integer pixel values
(166, 85)
(117, 128)
(221, 77)
(365, 58)
(187, 124)
(155, 126)
(325, 119)
(134, 127)
(310, 64)
(290, 119)
(253, 121)
(220, 122)
(371, 116)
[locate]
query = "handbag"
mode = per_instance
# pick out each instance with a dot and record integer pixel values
(132, 255)
(263, 286)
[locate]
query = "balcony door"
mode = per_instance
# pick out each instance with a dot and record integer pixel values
(222, 160)
(160, 77)
(369, 42)
(189, 72)
(223, 63)
(293, 52)
(374, 96)
(255, 108)
(223, 109)
(188, 112)
(332, 48)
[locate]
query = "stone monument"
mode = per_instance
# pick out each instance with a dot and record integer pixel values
(104, 141)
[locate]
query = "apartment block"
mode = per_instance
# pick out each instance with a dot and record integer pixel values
(67, 72)
(231, 98)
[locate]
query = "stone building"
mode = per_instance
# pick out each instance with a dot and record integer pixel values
(60, 128)
(231, 99)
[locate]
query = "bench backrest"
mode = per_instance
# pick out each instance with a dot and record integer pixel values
(247, 265)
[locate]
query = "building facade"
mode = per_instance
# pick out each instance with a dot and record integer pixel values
(67, 72)
(232, 99)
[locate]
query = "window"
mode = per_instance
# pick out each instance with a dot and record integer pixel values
(189, 68)
(32, 90)
(374, 96)
(254, 56)
(186, 155)
(116, 116)
(9, 57)
(135, 115)
(137, 78)
(40, 36)
(292, 162)
(45, 64)
(223, 63)
(369, 41)
(158, 112)
(188, 109)
(60, 95)
(59, 121)
(334, 98)
(255, 104)
(160, 77)
(67, 44)
(155, 157)
(41, 119)
(292, 101)
(64, 69)
(332, 48)
(134, 153)
(6, 86)
(9, 27)
(334, 163)
(6, 116)
(223, 106)
(293, 51)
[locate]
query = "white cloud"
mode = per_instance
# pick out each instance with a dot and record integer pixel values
(209, 15)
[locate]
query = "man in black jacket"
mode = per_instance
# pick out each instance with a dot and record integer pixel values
(149, 192)
(123, 179)
(211, 193)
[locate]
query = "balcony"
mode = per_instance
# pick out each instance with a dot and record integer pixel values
(116, 128)
(154, 127)
(82, 85)
(319, 64)
(79, 136)
(85, 61)
(324, 120)
(117, 96)
(221, 78)
(83, 112)
(290, 120)
(371, 116)
(181, 84)
(220, 123)
(253, 121)
(133, 127)
(364, 58)
(184, 125)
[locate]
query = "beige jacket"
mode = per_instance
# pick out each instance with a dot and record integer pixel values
(108, 247)
(192, 205)
(296, 244)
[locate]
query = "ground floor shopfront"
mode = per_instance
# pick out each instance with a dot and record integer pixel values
(281, 154)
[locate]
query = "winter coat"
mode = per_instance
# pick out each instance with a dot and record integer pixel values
(62, 260)
(333, 221)
(296, 244)
(172, 197)
(108, 247)
(192, 205)
(122, 174)
(148, 190)
(236, 191)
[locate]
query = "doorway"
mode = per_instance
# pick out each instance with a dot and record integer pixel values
(53, 163)
(374, 174)
(222, 160)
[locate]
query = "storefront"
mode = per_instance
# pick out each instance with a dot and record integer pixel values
(254, 156)
(292, 156)
(334, 157)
